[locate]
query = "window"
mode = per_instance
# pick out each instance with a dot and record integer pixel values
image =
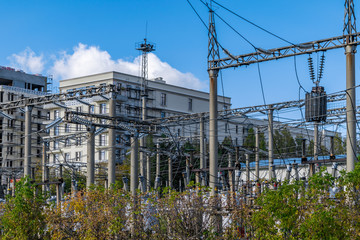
(78, 156)
(190, 104)
(56, 131)
(22, 139)
(56, 158)
(237, 129)
(56, 145)
(78, 141)
(102, 108)
(78, 127)
(67, 142)
(21, 126)
(78, 109)
(67, 128)
(163, 99)
(102, 155)
(118, 87)
(91, 109)
(128, 90)
(21, 152)
(226, 127)
(48, 116)
(102, 140)
(39, 114)
(163, 114)
(67, 157)
(56, 114)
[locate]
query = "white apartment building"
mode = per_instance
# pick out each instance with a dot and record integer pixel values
(68, 143)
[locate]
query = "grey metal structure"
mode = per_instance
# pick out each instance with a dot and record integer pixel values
(348, 41)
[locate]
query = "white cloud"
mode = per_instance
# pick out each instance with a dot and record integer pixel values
(27, 61)
(87, 60)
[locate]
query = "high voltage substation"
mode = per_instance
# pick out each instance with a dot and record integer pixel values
(160, 157)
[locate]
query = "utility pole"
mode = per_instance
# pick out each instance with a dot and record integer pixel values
(213, 54)
(350, 50)
(271, 139)
(170, 175)
(202, 151)
(134, 165)
(27, 150)
(45, 173)
(257, 154)
(112, 144)
(90, 166)
(157, 180)
(148, 172)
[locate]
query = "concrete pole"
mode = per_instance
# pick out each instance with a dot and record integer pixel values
(334, 169)
(332, 152)
(247, 161)
(170, 175)
(231, 173)
(148, 172)
(288, 172)
(157, 181)
(27, 146)
(112, 145)
(271, 139)
(257, 154)
(143, 140)
(44, 167)
(316, 141)
(350, 108)
(187, 177)
(62, 184)
(202, 150)
(90, 166)
(296, 168)
(134, 165)
(213, 133)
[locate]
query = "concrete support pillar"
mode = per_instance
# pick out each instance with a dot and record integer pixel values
(112, 145)
(316, 141)
(44, 162)
(143, 140)
(202, 151)
(351, 158)
(134, 165)
(231, 173)
(170, 173)
(271, 139)
(187, 177)
(27, 146)
(148, 172)
(257, 154)
(157, 178)
(213, 133)
(247, 161)
(90, 166)
(296, 168)
(288, 172)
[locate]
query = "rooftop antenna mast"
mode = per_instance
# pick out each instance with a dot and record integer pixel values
(145, 48)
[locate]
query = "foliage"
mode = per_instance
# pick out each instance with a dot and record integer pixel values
(23, 216)
(296, 210)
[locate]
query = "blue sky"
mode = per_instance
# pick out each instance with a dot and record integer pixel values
(52, 36)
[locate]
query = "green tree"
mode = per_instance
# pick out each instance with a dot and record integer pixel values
(23, 216)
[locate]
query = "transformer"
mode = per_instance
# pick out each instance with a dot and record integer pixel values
(316, 105)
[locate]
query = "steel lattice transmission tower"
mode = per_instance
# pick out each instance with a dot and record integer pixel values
(145, 48)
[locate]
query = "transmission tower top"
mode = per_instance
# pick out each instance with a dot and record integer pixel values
(145, 47)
